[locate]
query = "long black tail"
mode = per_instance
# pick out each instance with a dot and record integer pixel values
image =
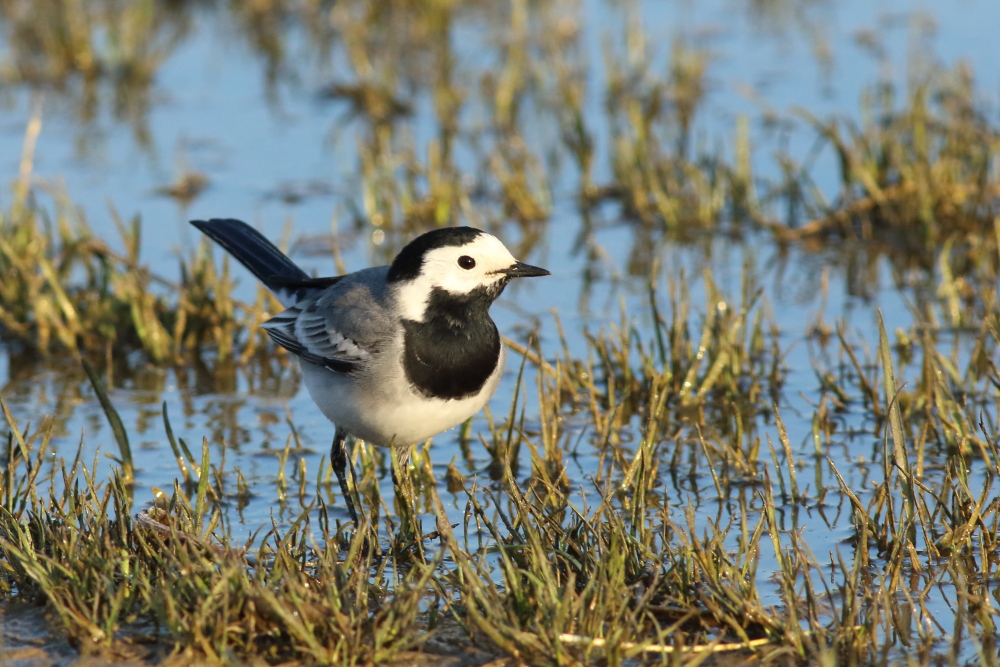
(271, 266)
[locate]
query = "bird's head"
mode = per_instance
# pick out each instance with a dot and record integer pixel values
(459, 263)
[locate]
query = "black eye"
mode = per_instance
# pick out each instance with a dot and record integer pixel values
(466, 262)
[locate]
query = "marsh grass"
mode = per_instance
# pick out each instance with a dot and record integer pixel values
(173, 571)
(919, 167)
(68, 292)
(689, 533)
(540, 571)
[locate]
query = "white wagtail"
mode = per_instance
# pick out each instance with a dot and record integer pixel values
(392, 354)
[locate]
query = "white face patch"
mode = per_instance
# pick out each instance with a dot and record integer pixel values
(445, 268)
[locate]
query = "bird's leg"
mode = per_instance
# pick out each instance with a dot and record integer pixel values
(338, 459)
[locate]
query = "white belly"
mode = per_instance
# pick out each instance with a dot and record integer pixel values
(390, 412)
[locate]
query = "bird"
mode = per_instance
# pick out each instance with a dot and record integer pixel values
(393, 354)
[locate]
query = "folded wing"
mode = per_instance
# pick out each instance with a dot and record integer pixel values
(339, 328)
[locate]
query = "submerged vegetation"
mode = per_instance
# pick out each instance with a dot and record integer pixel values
(653, 490)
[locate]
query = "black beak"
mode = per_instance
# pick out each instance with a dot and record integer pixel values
(522, 270)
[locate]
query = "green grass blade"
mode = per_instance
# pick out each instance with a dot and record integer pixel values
(121, 437)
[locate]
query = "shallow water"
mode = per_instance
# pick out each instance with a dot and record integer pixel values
(212, 110)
